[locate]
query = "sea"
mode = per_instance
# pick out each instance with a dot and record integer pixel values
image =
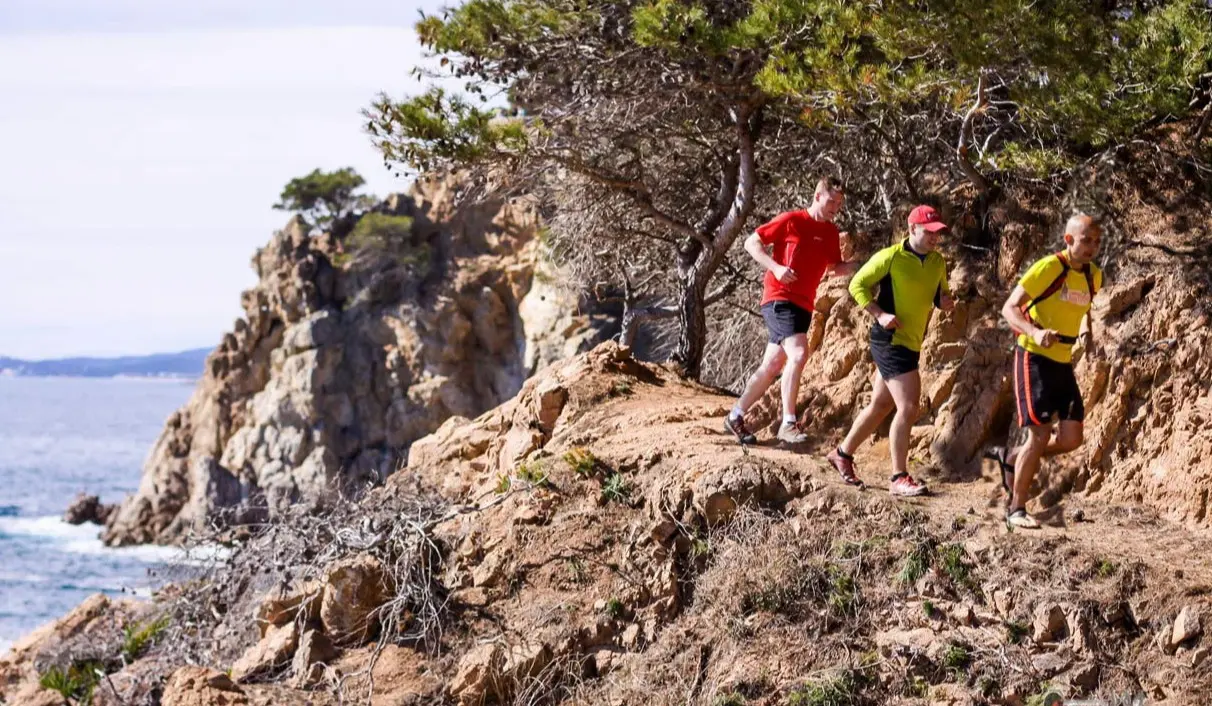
(58, 437)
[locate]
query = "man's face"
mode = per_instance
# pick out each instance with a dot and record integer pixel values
(923, 240)
(1083, 243)
(830, 204)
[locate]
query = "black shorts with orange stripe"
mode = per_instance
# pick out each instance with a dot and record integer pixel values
(1045, 391)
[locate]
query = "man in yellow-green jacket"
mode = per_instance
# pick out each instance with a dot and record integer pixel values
(911, 280)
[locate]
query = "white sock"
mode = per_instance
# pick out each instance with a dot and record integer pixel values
(736, 412)
(788, 419)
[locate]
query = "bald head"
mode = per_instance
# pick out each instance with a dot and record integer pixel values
(1081, 223)
(1083, 235)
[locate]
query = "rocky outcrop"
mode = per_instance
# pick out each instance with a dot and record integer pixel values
(198, 686)
(87, 508)
(335, 370)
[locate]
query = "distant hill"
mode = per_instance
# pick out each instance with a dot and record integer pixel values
(184, 364)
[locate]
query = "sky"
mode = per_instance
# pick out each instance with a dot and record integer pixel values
(143, 144)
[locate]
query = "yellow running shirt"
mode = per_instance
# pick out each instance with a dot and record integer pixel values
(1063, 311)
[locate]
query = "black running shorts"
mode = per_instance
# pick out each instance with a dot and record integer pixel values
(1045, 390)
(893, 360)
(784, 319)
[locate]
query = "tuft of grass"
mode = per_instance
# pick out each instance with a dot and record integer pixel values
(1105, 568)
(582, 461)
(620, 388)
(533, 474)
(843, 595)
(1047, 696)
(988, 686)
(504, 483)
(769, 599)
(956, 658)
(928, 608)
(577, 569)
(1016, 632)
(847, 549)
(615, 488)
(74, 684)
(840, 690)
(700, 548)
(917, 562)
(136, 638)
(917, 687)
(730, 699)
(952, 558)
(913, 517)
(614, 608)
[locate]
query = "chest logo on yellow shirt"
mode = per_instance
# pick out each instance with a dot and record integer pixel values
(1080, 297)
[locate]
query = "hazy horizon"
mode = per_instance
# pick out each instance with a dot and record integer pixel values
(146, 143)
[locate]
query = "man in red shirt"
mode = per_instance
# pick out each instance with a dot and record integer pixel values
(803, 246)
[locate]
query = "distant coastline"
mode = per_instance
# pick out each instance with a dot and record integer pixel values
(182, 365)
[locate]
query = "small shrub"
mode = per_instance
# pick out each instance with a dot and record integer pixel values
(956, 658)
(137, 638)
(700, 548)
(615, 488)
(841, 690)
(1047, 696)
(952, 558)
(576, 569)
(582, 461)
(843, 592)
(614, 608)
(730, 699)
(620, 388)
(917, 687)
(533, 474)
(988, 686)
(384, 233)
(1105, 568)
(928, 608)
(1015, 632)
(767, 599)
(76, 683)
(504, 483)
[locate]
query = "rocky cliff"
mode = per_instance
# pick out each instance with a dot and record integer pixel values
(334, 371)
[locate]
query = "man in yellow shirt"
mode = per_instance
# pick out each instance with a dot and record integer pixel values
(1047, 308)
(911, 279)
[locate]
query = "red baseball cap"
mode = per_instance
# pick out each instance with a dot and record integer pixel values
(926, 217)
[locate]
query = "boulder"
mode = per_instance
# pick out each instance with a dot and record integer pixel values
(353, 589)
(87, 508)
(199, 686)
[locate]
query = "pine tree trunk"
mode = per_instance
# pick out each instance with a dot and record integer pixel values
(692, 328)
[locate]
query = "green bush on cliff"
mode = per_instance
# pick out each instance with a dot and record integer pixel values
(323, 197)
(75, 683)
(384, 234)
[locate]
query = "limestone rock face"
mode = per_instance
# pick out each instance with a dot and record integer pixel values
(335, 369)
(198, 686)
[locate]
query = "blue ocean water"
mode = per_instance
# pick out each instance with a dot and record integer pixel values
(60, 436)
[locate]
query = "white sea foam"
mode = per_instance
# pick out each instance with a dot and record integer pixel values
(85, 539)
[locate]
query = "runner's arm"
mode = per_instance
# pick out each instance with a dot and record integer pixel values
(1012, 312)
(757, 250)
(864, 281)
(862, 285)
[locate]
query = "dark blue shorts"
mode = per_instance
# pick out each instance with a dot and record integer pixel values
(784, 319)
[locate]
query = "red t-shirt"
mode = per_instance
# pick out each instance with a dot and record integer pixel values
(807, 246)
